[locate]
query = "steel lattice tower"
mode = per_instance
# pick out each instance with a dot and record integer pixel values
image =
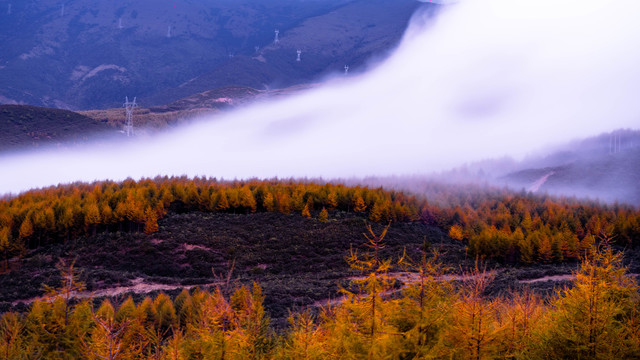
(128, 127)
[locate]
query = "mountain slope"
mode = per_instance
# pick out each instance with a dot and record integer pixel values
(30, 126)
(94, 52)
(593, 167)
(352, 35)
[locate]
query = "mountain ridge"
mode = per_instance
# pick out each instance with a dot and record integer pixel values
(96, 53)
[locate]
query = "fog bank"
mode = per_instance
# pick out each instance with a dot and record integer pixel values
(485, 79)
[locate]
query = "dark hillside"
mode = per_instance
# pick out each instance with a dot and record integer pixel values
(30, 126)
(95, 52)
(353, 34)
(298, 261)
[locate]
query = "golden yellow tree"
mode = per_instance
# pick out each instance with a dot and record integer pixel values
(519, 316)
(332, 200)
(456, 233)
(590, 320)
(305, 340)
(150, 221)
(5, 245)
(269, 202)
(106, 338)
(426, 304)
(26, 228)
(91, 217)
(474, 330)
(305, 212)
(323, 216)
(366, 305)
(223, 202)
(376, 214)
(359, 205)
(12, 337)
(247, 200)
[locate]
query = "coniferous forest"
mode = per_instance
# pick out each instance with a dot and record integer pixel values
(409, 304)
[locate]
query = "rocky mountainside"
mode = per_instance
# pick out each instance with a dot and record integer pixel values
(90, 54)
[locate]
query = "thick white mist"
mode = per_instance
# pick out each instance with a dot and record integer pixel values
(487, 78)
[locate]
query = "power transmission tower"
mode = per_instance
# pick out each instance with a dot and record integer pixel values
(9, 9)
(612, 143)
(120, 23)
(299, 53)
(619, 143)
(169, 32)
(276, 40)
(615, 143)
(346, 69)
(128, 127)
(62, 10)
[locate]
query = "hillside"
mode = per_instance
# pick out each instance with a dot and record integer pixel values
(256, 265)
(186, 109)
(94, 52)
(354, 34)
(28, 127)
(25, 127)
(275, 228)
(297, 261)
(605, 167)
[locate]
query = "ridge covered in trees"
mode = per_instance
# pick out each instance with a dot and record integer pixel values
(496, 224)
(597, 317)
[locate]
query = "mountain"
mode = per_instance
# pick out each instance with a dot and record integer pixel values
(90, 54)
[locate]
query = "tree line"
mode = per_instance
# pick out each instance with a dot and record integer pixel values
(493, 223)
(60, 213)
(524, 228)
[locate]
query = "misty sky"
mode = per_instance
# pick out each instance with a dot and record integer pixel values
(488, 78)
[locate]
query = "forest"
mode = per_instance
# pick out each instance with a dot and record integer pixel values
(400, 306)
(597, 317)
(494, 223)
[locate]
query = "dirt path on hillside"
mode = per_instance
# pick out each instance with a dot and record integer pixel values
(566, 277)
(138, 286)
(413, 278)
(536, 185)
(407, 278)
